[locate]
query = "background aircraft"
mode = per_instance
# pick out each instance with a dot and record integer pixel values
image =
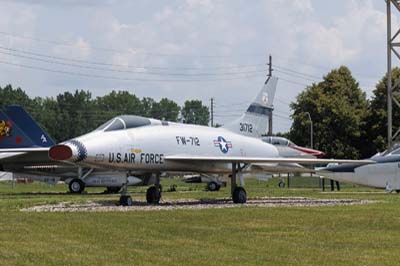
(287, 148)
(384, 173)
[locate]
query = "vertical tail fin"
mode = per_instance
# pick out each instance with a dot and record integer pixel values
(11, 136)
(254, 121)
(19, 130)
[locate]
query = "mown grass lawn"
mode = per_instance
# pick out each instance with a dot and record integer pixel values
(339, 235)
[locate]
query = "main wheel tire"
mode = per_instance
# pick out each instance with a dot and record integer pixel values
(213, 186)
(76, 186)
(281, 184)
(153, 195)
(113, 190)
(126, 201)
(239, 195)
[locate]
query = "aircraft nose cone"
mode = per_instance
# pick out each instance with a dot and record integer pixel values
(60, 153)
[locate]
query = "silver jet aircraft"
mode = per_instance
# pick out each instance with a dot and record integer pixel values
(134, 146)
(383, 173)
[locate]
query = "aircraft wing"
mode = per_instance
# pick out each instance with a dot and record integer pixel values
(10, 155)
(30, 152)
(39, 149)
(275, 160)
(22, 154)
(281, 168)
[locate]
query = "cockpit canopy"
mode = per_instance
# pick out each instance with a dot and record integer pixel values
(278, 141)
(124, 122)
(395, 150)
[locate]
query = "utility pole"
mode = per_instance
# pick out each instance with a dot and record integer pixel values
(270, 66)
(270, 110)
(393, 44)
(389, 73)
(212, 112)
(311, 130)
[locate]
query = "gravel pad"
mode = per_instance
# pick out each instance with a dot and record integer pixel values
(193, 204)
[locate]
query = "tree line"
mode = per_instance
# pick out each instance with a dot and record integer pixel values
(346, 124)
(72, 114)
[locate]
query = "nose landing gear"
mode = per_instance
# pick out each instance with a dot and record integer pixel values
(126, 200)
(153, 194)
(239, 194)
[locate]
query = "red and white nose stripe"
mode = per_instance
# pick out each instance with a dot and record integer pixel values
(313, 152)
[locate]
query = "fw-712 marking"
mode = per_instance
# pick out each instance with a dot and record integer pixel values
(192, 141)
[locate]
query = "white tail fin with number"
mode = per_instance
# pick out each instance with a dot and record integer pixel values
(254, 122)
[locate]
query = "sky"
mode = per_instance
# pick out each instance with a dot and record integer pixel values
(190, 49)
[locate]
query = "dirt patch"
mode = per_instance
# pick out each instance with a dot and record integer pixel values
(179, 204)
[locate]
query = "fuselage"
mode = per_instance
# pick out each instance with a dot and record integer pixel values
(144, 148)
(385, 173)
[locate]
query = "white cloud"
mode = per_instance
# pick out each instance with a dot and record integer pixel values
(76, 49)
(141, 33)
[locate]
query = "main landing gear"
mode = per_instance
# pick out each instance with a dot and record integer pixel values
(213, 186)
(153, 194)
(239, 194)
(76, 186)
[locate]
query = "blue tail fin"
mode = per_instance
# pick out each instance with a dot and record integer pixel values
(11, 136)
(19, 130)
(26, 123)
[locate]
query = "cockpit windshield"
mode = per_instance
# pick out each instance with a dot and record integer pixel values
(103, 126)
(124, 122)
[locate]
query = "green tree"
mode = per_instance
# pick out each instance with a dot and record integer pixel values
(46, 113)
(11, 96)
(194, 112)
(119, 103)
(166, 110)
(116, 103)
(147, 106)
(377, 116)
(338, 109)
(76, 115)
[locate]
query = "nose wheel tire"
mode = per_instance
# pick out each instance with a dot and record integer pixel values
(281, 184)
(153, 195)
(126, 200)
(76, 186)
(239, 195)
